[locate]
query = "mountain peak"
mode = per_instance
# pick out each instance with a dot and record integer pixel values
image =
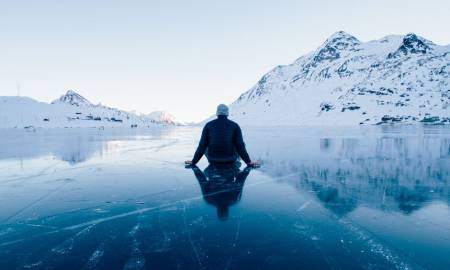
(412, 44)
(341, 39)
(341, 34)
(73, 98)
(336, 42)
(71, 92)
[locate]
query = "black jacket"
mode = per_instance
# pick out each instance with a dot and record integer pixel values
(222, 142)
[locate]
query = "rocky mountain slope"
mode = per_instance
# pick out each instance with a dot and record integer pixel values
(396, 79)
(71, 110)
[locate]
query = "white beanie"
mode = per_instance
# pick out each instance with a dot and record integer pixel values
(222, 109)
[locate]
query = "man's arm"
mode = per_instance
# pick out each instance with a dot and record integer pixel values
(240, 146)
(202, 145)
(199, 175)
(242, 176)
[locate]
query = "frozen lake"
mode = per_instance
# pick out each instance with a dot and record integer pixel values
(358, 198)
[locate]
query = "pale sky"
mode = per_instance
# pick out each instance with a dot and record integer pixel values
(183, 57)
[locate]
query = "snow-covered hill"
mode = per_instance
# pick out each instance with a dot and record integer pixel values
(162, 117)
(348, 82)
(70, 110)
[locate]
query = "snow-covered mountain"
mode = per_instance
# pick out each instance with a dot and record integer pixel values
(162, 117)
(70, 110)
(348, 82)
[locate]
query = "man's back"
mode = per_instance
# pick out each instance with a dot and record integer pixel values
(222, 141)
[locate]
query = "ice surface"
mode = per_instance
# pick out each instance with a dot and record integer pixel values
(359, 198)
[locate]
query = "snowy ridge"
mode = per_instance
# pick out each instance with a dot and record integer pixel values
(71, 110)
(396, 79)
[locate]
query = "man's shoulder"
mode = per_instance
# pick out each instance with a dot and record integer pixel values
(233, 123)
(211, 122)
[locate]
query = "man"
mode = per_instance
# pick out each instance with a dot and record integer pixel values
(222, 142)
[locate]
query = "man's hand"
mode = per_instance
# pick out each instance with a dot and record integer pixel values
(188, 164)
(254, 164)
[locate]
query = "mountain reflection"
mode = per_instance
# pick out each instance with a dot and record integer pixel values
(329, 196)
(391, 170)
(74, 145)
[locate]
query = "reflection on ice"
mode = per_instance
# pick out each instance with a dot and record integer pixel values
(71, 145)
(389, 171)
(221, 186)
(353, 198)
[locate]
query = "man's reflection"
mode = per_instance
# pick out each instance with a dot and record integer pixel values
(221, 185)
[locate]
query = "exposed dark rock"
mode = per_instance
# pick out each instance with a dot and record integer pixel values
(430, 119)
(411, 44)
(324, 106)
(351, 108)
